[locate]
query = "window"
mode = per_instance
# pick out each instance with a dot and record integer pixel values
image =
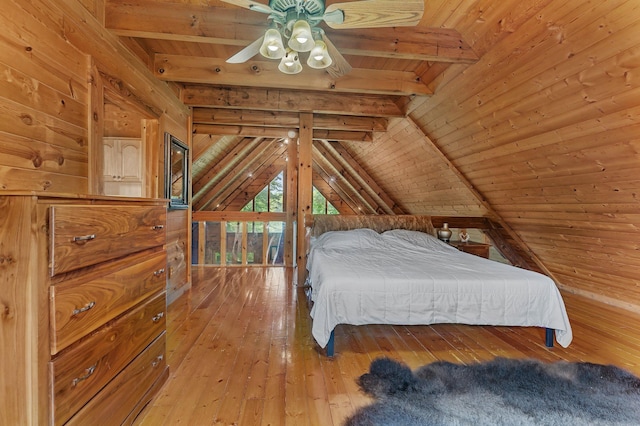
(270, 199)
(321, 205)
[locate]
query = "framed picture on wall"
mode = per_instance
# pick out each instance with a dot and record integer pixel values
(176, 172)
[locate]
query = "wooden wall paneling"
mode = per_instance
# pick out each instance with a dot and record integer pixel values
(96, 8)
(83, 31)
(546, 73)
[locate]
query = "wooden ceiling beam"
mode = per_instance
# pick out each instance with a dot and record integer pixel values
(222, 167)
(221, 189)
(341, 154)
(264, 171)
(364, 202)
(294, 101)
(348, 175)
(250, 188)
(288, 120)
(259, 73)
(324, 186)
(323, 169)
(280, 132)
(237, 27)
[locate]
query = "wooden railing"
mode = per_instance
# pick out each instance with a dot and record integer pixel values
(240, 238)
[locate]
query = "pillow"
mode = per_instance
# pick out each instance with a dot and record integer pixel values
(355, 239)
(416, 238)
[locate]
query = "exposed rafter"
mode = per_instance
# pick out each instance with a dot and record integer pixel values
(196, 69)
(360, 175)
(294, 101)
(274, 132)
(287, 120)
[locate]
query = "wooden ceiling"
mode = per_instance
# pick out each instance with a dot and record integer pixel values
(187, 42)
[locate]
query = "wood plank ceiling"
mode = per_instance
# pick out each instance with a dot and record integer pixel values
(242, 113)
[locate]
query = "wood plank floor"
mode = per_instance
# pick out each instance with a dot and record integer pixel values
(241, 353)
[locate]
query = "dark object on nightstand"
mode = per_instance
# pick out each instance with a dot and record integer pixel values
(479, 249)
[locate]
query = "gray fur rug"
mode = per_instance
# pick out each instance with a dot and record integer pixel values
(499, 392)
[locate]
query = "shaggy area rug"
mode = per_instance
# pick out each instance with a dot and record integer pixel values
(499, 392)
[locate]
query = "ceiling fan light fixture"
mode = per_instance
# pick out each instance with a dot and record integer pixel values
(272, 46)
(301, 38)
(319, 56)
(290, 63)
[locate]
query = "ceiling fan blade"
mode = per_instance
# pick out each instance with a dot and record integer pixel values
(375, 14)
(247, 53)
(251, 5)
(339, 66)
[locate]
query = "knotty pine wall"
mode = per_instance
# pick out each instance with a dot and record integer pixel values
(545, 127)
(55, 60)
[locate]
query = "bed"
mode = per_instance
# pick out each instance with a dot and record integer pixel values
(408, 277)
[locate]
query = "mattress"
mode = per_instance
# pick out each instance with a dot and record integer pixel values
(408, 278)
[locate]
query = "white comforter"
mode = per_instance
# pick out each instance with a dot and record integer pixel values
(407, 278)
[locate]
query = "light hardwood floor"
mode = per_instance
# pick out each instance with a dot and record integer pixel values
(241, 352)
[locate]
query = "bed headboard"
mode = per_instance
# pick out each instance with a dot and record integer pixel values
(319, 224)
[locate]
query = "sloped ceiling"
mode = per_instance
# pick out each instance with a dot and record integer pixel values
(535, 122)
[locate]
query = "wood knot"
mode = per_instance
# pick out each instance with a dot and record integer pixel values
(60, 160)
(37, 161)
(5, 311)
(26, 119)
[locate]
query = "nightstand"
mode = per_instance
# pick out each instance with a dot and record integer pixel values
(479, 249)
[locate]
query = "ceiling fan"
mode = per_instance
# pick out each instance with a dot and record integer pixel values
(297, 21)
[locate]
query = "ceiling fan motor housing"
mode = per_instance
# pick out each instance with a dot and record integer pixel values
(308, 7)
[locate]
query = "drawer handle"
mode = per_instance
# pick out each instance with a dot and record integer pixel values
(159, 272)
(84, 238)
(157, 361)
(157, 227)
(85, 308)
(158, 317)
(88, 372)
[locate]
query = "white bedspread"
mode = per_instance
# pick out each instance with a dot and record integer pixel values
(399, 277)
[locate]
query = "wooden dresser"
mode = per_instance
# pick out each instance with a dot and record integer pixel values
(82, 308)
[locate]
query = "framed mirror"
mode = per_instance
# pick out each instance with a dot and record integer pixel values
(176, 172)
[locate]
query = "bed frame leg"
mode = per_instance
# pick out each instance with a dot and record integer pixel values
(548, 339)
(331, 343)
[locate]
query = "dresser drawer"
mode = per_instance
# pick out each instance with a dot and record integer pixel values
(83, 235)
(118, 400)
(84, 302)
(80, 371)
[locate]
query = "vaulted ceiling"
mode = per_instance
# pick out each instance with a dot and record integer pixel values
(242, 113)
(522, 111)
